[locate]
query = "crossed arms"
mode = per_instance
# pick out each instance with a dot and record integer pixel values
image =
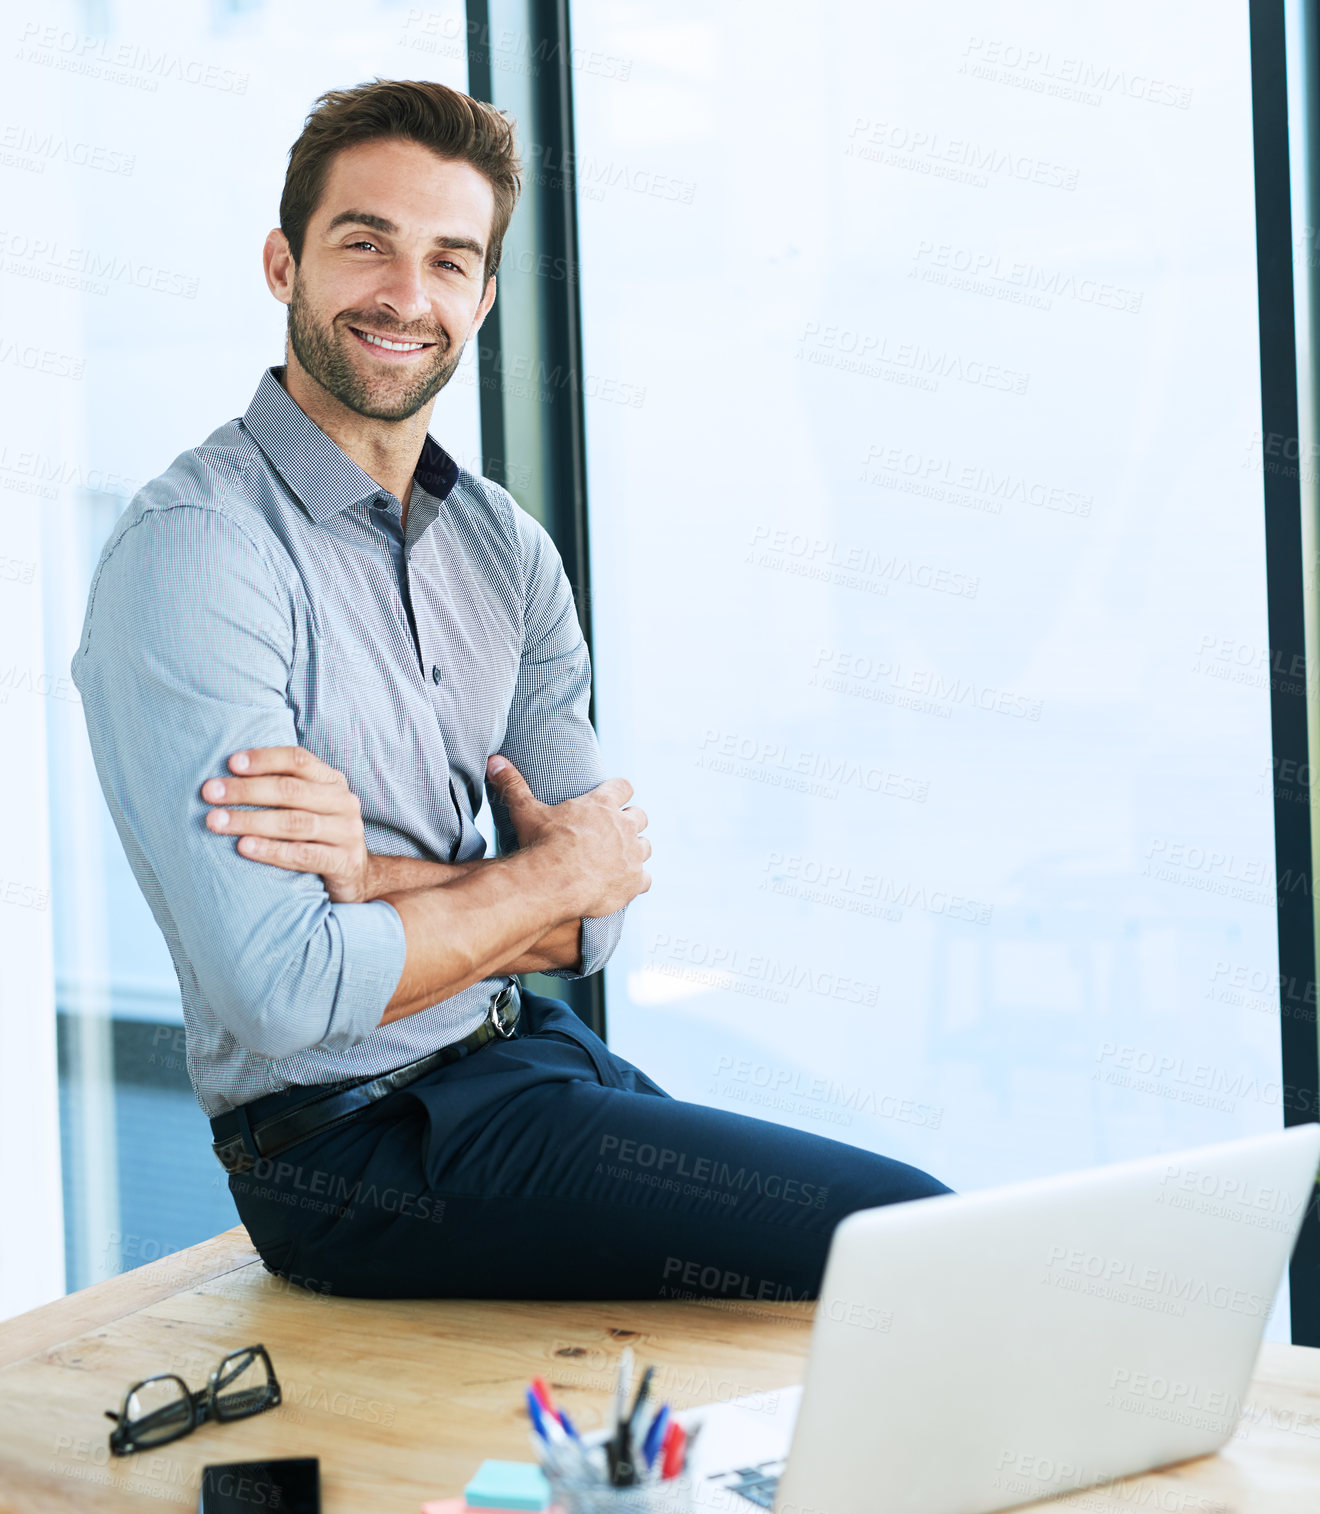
(184, 666)
(462, 921)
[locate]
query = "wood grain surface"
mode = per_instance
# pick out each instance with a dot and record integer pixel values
(402, 1400)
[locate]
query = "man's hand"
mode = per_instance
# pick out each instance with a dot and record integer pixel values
(310, 820)
(596, 839)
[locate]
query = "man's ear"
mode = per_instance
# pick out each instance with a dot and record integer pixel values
(487, 300)
(277, 259)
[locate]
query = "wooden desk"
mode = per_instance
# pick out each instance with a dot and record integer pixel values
(402, 1400)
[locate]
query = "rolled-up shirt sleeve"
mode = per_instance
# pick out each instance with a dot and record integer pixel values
(549, 737)
(185, 659)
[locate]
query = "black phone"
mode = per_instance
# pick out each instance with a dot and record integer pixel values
(291, 1485)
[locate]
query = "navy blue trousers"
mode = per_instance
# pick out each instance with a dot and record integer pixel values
(547, 1167)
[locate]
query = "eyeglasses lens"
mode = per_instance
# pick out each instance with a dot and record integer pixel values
(242, 1385)
(158, 1411)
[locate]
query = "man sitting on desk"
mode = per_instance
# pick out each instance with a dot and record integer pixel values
(308, 645)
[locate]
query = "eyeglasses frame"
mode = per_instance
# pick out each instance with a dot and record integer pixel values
(203, 1404)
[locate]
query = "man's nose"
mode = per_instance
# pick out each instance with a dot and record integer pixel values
(402, 291)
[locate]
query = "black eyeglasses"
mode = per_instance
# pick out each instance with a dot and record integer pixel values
(161, 1409)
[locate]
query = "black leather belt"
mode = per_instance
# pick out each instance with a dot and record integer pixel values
(336, 1102)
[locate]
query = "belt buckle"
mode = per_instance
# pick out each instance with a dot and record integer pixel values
(504, 1028)
(232, 1155)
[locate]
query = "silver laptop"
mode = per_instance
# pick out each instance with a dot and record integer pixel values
(976, 1351)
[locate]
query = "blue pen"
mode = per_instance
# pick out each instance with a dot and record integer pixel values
(534, 1414)
(569, 1426)
(651, 1445)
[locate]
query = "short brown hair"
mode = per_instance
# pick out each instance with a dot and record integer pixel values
(452, 124)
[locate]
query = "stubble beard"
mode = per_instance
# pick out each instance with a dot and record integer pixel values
(325, 354)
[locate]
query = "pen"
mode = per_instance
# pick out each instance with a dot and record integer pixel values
(549, 1411)
(675, 1440)
(623, 1385)
(643, 1393)
(623, 1471)
(537, 1417)
(655, 1435)
(619, 1450)
(556, 1447)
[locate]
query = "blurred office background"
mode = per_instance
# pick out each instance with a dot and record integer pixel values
(922, 487)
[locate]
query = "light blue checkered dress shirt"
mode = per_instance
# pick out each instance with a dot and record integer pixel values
(248, 597)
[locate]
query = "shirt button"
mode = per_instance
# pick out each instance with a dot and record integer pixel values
(435, 674)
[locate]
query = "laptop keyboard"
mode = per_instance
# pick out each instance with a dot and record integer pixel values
(756, 1484)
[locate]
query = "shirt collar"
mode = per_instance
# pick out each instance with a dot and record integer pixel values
(321, 474)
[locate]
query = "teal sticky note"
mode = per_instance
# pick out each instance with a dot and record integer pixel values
(508, 1485)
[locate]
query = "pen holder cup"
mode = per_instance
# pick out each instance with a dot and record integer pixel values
(672, 1496)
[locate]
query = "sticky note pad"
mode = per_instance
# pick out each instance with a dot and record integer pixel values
(508, 1485)
(460, 1506)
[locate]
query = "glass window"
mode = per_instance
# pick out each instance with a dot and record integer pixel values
(153, 140)
(928, 570)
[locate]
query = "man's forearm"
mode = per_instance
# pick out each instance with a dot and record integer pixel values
(395, 875)
(473, 927)
(561, 946)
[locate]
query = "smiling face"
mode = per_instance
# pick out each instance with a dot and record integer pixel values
(391, 282)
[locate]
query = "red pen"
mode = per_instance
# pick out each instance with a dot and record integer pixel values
(672, 1449)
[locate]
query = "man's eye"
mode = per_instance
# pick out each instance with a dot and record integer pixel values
(445, 263)
(372, 245)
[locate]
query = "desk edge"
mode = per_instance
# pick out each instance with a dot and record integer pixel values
(64, 1318)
